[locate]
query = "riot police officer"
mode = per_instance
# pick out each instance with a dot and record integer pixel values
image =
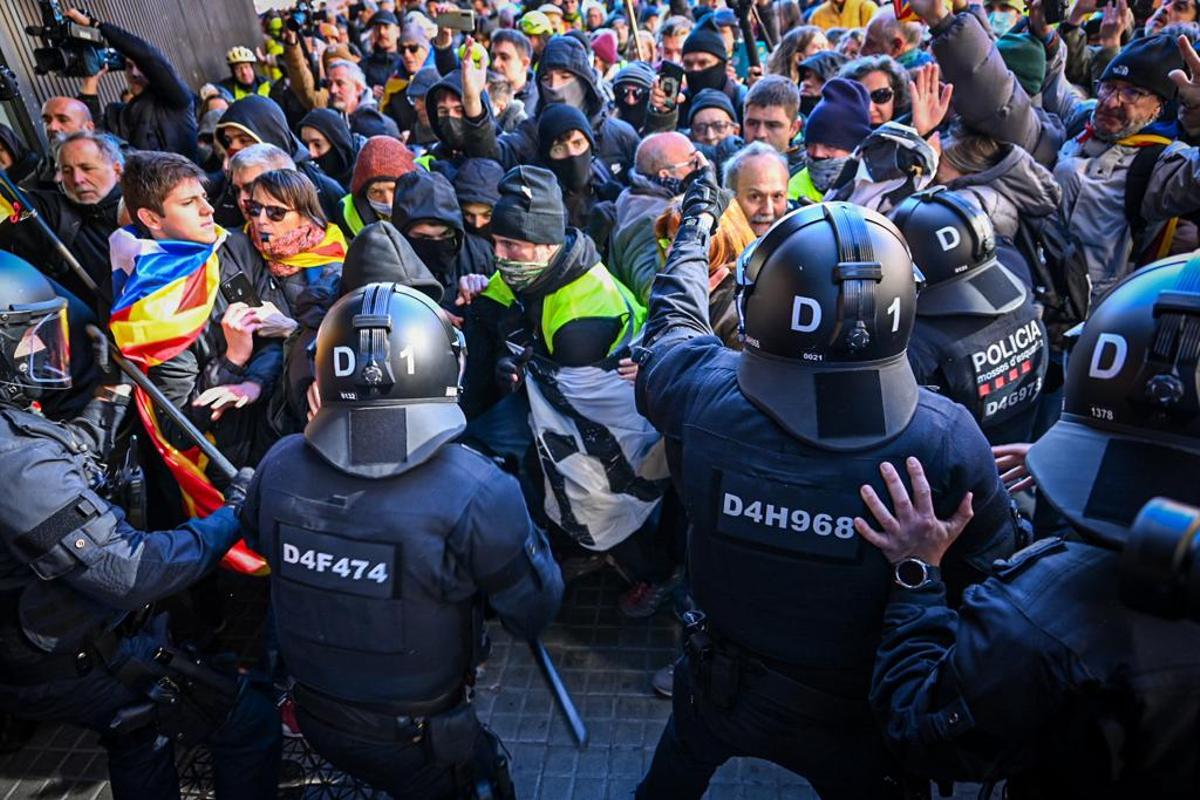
(978, 338)
(384, 538)
(76, 642)
(1066, 673)
(767, 448)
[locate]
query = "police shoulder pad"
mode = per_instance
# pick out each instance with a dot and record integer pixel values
(1008, 568)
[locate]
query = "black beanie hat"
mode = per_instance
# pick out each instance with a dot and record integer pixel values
(477, 180)
(706, 40)
(530, 207)
(710, 98)
(825, 64)
(558, 119)
(1146, 63)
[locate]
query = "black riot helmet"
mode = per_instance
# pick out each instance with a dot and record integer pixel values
(1130, 428)
(34, 347)
(953, 243)
(388, 371)
(826, 303)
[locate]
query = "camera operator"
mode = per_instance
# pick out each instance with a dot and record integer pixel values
(83, 215)
(160, 115)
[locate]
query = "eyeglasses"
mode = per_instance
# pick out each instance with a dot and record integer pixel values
(881, 96)
(411, 49)
(705, 128)
(274, 213)
(1126, 94)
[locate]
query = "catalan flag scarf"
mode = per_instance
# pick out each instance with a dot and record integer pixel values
(306, 247)
(164, 292)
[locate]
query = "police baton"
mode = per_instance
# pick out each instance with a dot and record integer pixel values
(561, 697)
(25, 211)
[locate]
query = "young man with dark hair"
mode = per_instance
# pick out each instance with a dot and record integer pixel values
(213, 360)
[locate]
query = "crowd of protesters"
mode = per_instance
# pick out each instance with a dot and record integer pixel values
(525, 172)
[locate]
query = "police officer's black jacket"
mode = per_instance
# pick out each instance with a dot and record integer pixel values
(377, 584)
(203, 365)
(69, 562)
(162, 117)
(84, 229)
(1043, 677)
(772, 554)
(993, 366)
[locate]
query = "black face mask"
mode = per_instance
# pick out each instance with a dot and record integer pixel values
(573, 172)
(332, 162)
(436, 254)
(807, 104)
(483, 230)
(634, 114)
(713, 77)
(452, 132)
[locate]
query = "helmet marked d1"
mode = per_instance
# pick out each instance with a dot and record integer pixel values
(388, 370)
(953, 243)
(1130, 428)
(35, 351)
(826, 302)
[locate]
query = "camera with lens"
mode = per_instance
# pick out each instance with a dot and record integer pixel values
(76, 51)
(300, 18)
(1160, 563)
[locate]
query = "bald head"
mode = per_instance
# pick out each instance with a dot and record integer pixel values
(888, 36)
(62, 116)
(661, 151)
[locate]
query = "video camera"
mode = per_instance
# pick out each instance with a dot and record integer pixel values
(300, 18)
(76, 51)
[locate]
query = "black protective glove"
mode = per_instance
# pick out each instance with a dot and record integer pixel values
(235, 492)
(110, 373)
(704, 196)
(510, 370)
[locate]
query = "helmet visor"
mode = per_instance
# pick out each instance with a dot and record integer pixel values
(43, 353)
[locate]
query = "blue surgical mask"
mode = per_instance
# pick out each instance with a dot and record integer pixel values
(1001, 22)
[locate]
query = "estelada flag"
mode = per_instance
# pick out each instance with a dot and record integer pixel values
(164, 292)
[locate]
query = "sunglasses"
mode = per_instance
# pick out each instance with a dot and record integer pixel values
(411, 49)
(274, 213)
(634, 93)
(881, 96)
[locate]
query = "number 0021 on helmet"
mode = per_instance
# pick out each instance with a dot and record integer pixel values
(388, 370)
(826, 304)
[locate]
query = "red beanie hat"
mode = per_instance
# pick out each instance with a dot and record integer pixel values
(382, 157)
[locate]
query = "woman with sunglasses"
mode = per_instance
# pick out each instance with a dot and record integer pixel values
(887, 84)
(302, 250)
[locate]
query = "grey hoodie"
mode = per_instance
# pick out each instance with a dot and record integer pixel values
(1017, 187)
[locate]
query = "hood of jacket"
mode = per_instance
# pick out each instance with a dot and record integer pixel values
(381, 253)
(450, 82)
(478, 181)
(338, 163)
(25, 160)
(426, 196)
(643, 197)
(1017, 186)
(263, 119)
(577, 255)
(567, 53)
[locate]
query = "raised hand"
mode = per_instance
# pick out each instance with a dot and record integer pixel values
(930, 98)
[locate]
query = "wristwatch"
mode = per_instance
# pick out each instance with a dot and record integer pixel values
(913, 573)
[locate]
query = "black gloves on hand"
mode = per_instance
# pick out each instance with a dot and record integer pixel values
(510, 370)
(235, 493)
(704, 196)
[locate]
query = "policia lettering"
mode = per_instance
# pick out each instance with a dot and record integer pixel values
(1001, 366)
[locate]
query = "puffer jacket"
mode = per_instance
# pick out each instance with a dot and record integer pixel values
(616, 140)
(1015, 189)
(987, 96)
